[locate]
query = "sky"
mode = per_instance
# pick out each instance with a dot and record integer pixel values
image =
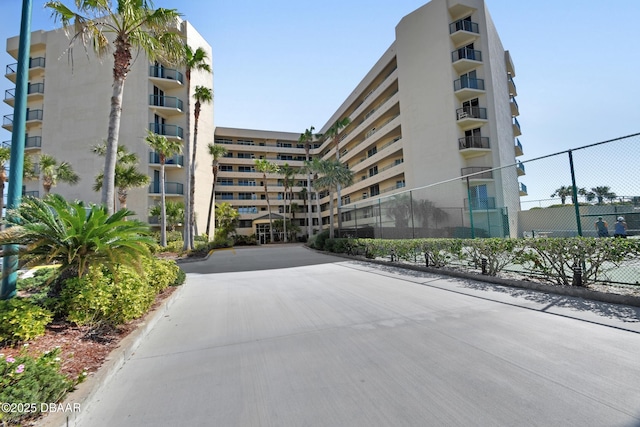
(287, 65)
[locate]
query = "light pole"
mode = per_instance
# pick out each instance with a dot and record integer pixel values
(16, 164)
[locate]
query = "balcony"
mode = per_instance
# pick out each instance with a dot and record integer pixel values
(466, 87)
(174, 161)
(463, 31)
(522, 189)
(170, 131)
(33, 117)
(477, 173)
(516, 128)
(514, 107)
(480, 203)
(511, 70)
(168, 105)
(465, 59)
(166, 78)
(518, 148)
(473, 146)
(512, 86)
(36, 67)
(34, 92)
(30, 143)
(470, 117)
(170, 188)
(35, 194)
(520, 169)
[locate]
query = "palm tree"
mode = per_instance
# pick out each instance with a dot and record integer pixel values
(52, 173)
(334, 133)
(264, 166)
(307, 138)
(74, 236)
(215, 151)
(130, 26)
(164, 148)
(193, 60)
(287, 172)
(127, 174)
(563, 192)
(424, 210)
(333, 174)
(303, 195)
(227, 220)
(174, 212)
(601, 193)
(202, 95)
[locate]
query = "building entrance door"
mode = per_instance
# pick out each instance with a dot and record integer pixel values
(262, 233)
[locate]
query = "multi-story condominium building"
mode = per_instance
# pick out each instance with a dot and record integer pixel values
(68, 110)
(439, 104)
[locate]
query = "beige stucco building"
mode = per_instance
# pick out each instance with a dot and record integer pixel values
(68, 111)
(439, 104)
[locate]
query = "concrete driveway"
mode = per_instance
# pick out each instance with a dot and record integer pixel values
(282, 336)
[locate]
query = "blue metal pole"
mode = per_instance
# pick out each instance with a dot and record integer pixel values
(16, 164)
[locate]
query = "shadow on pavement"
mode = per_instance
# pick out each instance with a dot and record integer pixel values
(256, 258)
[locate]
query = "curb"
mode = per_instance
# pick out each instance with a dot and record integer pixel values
(85, 392)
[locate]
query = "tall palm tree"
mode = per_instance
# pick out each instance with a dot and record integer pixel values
(202, 95)
(334, 133)
(264, 166)
(193, 60)
(303, 194)
(307, 138)
(165, 148)
(333, 174)
(131, 25)
(127, 174)
(54, 172)
(287, 173)
(215, 151)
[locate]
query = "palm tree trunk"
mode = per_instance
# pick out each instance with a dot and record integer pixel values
(213, 193)
(192, 172)
(284, 223)
(331, 230)
(266, 195)
(188, 244)
(319, 212)
(163, 207)
(108, 181)
(3, 179)
(338, 191)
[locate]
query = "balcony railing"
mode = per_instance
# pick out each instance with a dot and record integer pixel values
(31, 115)
(466, 53)
(471, 113)
(463, 25)
(33, 88)
(33, 63)
(477, 172)
(169, 188)
(165, 101)
(473, 142)
(518, 148)
(478, 203)
(177, 160)
(166, 73)
(468, 83)
(520, 167)
(523, 188)
(167, 130)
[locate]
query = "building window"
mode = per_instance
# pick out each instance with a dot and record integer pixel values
(222, 141)
(225, 196)
(246, 156)
(372, 151)
(246, 169)
(400, 184)
(374, 190)
(248, 210)
(225, 181)
(226, 168)
(245, 223)
(373, 171)
(285, 157)
(228, 154)
(245, 142)
(284, 144)
(246, 183)
(246, 196)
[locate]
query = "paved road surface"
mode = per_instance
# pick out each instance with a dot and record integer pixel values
(261, 342)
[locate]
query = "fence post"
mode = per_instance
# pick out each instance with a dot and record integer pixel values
(413, 228)
(473, 234)
(574, 193)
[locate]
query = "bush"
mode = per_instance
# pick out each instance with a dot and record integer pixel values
(41, 278)
(28, 382)
(160, 273)
(21, 320)
(241, 240)
(181, 276)
(320, 240)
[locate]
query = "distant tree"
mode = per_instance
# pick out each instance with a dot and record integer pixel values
(287, 173)
(54, 172)
(215, 151)
(307, 138)
(127, 174)
(332, 175)
(264, 167)
(600, 193)
(174, 214)
(226, 220)
(563, 192)
(334, 133)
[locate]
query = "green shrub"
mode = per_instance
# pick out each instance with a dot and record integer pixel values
(221, 241)
(181, 276)
(31, 381)
(160, 273)
(21, 320)
(41, 278)
(320, 240)
(498, 252)
(242, 240)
